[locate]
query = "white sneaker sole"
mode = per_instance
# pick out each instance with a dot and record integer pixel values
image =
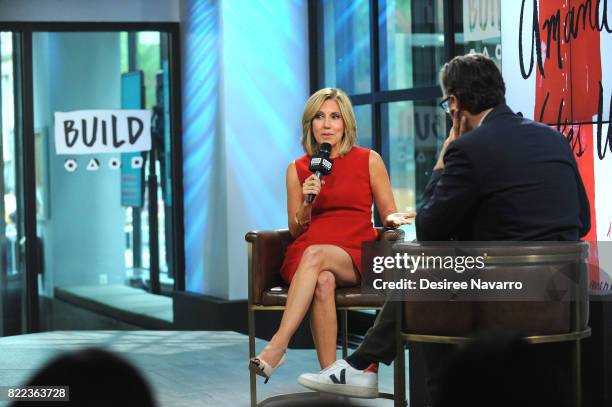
(340, 389)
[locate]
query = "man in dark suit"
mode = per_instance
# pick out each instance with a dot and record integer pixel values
(499, 177)
(507, 178)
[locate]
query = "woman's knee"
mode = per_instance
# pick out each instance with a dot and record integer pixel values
(326, 286)
(313, 255)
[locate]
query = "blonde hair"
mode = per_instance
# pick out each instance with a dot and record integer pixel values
(313, 104)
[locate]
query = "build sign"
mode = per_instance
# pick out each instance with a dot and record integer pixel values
(102, 131)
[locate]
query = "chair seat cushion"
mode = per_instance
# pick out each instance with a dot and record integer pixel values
(345, 297)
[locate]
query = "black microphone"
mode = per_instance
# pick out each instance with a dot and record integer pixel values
(320, 165)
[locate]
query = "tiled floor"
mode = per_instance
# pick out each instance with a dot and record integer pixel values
(186, 368)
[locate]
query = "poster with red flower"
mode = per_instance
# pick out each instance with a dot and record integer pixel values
(557, 64)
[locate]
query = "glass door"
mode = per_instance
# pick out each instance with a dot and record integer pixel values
(13, 318)
(102, 136)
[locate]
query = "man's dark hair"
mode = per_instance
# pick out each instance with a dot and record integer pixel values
(475, 81)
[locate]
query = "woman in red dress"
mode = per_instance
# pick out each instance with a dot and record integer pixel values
(328, 233)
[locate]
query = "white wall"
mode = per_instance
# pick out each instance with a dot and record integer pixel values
(90, 10)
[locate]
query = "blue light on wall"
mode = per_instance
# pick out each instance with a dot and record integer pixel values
(246, 83)
(200, 104)
(265, 85)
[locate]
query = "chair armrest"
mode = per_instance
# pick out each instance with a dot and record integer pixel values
(267, 251)
(390, 234)
(266, 254)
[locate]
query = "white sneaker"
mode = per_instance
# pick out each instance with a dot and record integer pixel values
(343, 379)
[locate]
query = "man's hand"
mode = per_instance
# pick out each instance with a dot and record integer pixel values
(459, 127)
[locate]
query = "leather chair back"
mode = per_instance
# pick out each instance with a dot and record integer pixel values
(530, 260)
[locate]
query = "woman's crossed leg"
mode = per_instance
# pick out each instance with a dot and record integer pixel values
(321, 269)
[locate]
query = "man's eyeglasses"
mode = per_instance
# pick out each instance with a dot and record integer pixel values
(444, 105)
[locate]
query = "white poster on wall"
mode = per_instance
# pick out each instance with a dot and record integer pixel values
(557, 68)
(481, 19)
(102, 131)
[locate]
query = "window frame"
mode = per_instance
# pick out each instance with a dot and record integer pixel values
(377, 96)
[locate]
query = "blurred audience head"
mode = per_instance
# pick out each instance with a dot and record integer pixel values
(95, 378)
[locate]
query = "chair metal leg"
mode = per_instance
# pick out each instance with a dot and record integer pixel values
(577, 374)
(399, 368)
(399, 381)
(344, 324)
(252, 377)
(344, 334)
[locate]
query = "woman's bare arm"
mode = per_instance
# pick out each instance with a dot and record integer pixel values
(383, 195)
(298, 209)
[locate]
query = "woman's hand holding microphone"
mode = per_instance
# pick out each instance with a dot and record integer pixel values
(312, 186)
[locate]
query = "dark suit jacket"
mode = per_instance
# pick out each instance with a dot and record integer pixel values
(509, 179)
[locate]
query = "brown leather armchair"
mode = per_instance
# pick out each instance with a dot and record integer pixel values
(266, 250)
(560, 320)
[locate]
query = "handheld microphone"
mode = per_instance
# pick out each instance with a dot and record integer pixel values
(320, 165)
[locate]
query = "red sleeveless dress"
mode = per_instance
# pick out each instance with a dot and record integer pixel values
(342, 213)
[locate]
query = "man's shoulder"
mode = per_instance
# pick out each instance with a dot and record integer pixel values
(503, 128)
